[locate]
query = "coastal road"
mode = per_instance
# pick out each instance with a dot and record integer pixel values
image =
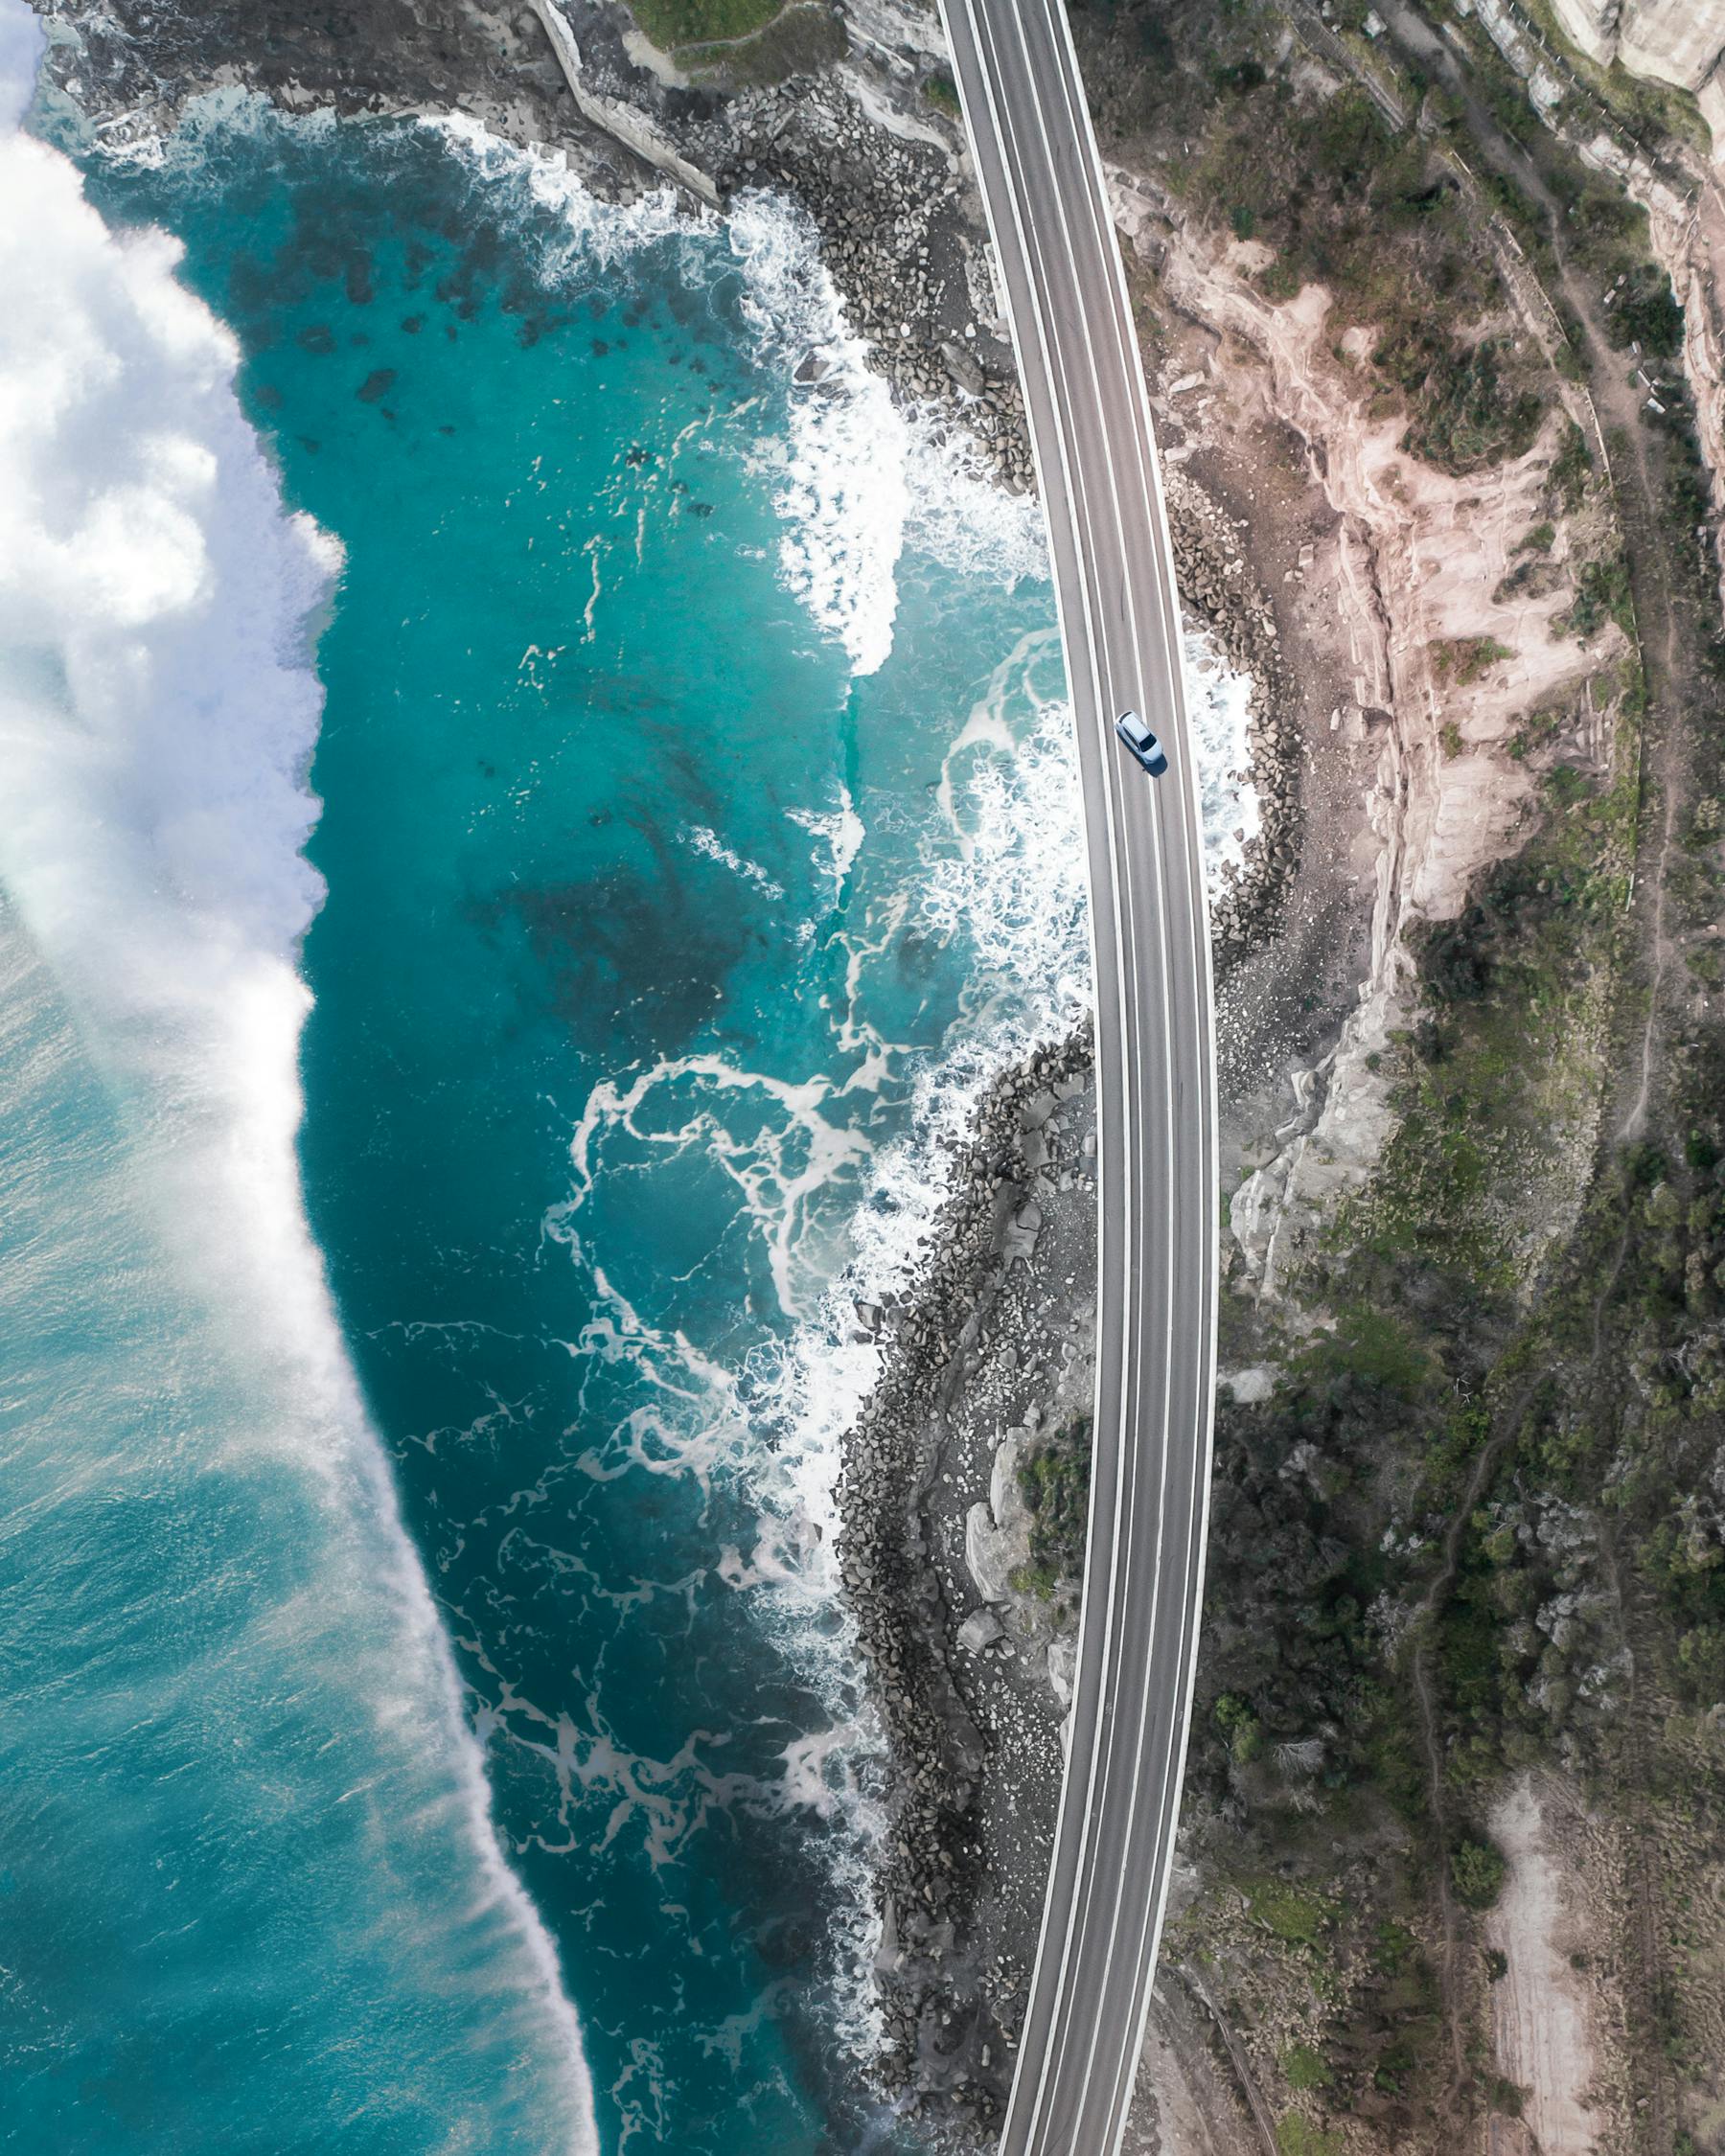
(1065, 298)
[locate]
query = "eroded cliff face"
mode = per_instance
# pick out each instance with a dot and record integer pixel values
(1675, 42)
(1681, 190)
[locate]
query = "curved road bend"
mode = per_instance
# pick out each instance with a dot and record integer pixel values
(1072, 322)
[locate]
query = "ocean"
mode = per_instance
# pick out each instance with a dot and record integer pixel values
(525, 826)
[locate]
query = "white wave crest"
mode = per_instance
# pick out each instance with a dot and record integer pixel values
(1218, 706)
(844, 488)
(157, 716)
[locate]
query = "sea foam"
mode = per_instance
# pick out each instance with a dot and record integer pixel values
(158, 711)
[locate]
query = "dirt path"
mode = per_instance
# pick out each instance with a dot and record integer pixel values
(1424, 1629)
(1543, 2010)
(1637, 1741)
(1659, 628)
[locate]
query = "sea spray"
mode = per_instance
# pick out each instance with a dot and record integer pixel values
(157, 716)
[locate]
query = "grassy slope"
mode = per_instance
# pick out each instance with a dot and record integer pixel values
(671, 23)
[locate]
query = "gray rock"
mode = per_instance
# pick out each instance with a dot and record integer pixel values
(1036, 1111)
(986, 1557)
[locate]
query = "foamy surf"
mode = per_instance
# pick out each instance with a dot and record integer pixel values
(845, 491)
(158, 712)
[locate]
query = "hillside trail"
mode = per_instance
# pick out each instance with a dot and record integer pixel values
(1424, 1630)
(1617, 388)
(1613, 381)
(1619, 396)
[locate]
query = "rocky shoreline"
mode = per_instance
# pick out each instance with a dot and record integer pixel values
(991, 1350)
(1213, 567)
(901, 236)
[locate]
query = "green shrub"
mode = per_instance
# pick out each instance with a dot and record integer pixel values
(1055, 1482)
(1240, 1726)
(1478, 1870)
(1647, 312)
(1305, 2068)
(1297, 2136)
(1464, 659)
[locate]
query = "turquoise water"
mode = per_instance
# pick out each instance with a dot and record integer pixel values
(695, 825)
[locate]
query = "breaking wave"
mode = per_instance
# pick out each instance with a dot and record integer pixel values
(158, 711)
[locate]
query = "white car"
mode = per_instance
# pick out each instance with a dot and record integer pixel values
(1141, 744)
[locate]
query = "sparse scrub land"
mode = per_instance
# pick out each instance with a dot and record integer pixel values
(1297, 2136)
(1601, 595)
(1502, 1072)
(1572, 466)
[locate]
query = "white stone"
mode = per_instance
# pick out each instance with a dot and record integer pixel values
(980, 1630)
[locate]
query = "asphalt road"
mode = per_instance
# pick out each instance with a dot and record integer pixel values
(1089, 426)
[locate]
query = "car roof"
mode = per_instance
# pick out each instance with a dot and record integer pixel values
(1135, 726)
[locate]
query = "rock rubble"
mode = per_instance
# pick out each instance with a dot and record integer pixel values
(1214, 572)
(959, 1668)
(901, 234)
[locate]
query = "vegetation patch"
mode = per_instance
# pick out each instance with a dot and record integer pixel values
(1297, 2136)
(1292, 1914)
(1459, 661)
(1055, 1482)
(800, 39)
(1378, 219)
(1303, 2068)
(671, 23)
